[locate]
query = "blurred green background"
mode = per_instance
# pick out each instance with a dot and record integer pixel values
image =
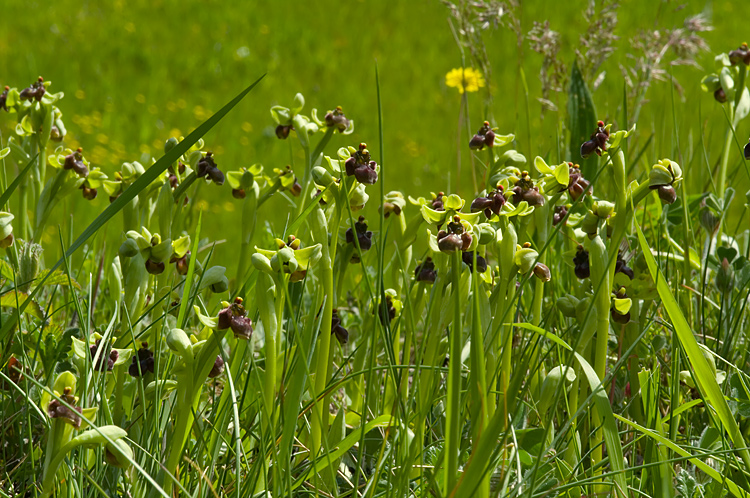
(137, 72)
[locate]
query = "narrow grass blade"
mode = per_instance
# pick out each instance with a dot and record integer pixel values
(476, 468)
(704, 376)
(710, 471)
(12, 187)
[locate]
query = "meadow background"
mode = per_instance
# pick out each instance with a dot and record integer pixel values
(136, 73)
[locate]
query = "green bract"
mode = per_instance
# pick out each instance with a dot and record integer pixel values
(554, 176)
(285, 259)
(453, 205)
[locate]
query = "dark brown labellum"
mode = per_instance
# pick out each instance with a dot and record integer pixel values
(581, 262)
(618, 318)
(364, 236)
(425, 272)
(468, 258)
(342, 335)
(667, 194)
(154, 267)
(218, 368)
(4, 99)
(56, 409)
(720, 95)
(143, 362)
(107, 358)
(282, 131)
(89, 193)
(242, 327)
(560, 213)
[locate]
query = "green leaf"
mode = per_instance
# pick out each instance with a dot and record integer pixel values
(704, 375)
(21, 302)
(581, 120)
(56, 278)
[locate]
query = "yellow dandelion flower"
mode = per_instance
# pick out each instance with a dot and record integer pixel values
(466, 80)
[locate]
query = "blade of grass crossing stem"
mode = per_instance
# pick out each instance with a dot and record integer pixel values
(6, 195)
(480, 460)
(191, 271)
(706, 381)
(345, 445)
(129, 194)
(727, 484)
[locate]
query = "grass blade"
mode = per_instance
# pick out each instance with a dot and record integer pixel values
(705, 379)
(12, 187)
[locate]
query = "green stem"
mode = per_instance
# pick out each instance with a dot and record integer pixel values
(184, 409)
(721, 186)
(249, 221)
(602, 286)
(453, 405)
(319, 422)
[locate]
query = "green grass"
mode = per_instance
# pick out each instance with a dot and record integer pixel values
(622, 377)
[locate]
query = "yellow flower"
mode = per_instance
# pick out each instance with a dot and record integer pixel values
(466, 80)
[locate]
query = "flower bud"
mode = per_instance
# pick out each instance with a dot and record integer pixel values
(541, 271)
(567, 305)
(221, 286)
(725, 276)
(170, 144)
(6, 230)
(118, 454)
(708, 218)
